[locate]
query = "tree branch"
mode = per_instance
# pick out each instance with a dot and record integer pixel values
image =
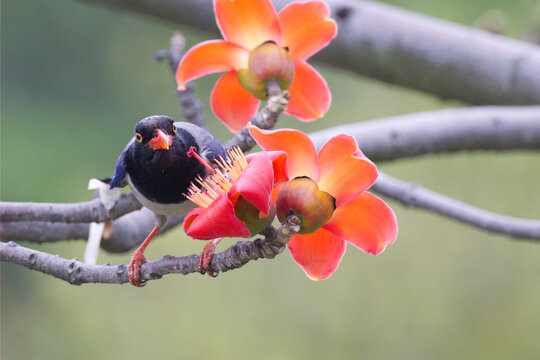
(77, 273)
(413, 195)
(90, 211)
(43, 231)
(399, 47)
(477, 128)
(124, 234)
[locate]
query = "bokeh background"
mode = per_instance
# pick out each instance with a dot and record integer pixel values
(75, 80)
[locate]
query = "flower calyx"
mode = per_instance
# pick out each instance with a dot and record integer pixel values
(302, 197)
(255, 221)
(269, 65)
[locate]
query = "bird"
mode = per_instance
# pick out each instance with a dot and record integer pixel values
(159, 163)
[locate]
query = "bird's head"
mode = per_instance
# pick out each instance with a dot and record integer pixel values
(156, 132)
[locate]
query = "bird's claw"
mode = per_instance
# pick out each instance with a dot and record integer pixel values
(206, 258)
(134, 269)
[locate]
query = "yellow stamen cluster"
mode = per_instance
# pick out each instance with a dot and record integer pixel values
(220, 181)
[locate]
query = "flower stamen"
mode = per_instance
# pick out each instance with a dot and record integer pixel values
(193, 152)
(205, 191)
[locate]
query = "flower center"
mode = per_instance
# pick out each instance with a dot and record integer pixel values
(203, 192)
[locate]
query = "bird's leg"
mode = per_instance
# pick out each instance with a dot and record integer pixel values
(137, 259)
(206, 257)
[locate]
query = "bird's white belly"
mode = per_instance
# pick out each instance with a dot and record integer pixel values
(179, 209)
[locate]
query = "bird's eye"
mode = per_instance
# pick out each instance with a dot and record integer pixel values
(138, 137)
(174, 128)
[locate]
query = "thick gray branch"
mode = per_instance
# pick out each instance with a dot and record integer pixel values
(400, 47)
(123, 234)
(90, 211)
(42, 231)
(414, 195)
(477, 128)
(77, 273)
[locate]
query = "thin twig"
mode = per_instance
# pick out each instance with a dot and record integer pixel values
(416, 196)
(532, 31)
(190, 106)
(76, 272)
(265, 119)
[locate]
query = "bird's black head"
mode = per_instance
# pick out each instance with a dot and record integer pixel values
(157, 132)
(156, 162)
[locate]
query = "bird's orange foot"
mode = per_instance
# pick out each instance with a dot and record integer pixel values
(206, 258)
(134, 269)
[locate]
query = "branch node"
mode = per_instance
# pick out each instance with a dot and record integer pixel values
(32, 259)
(121, 269)
(155, 276)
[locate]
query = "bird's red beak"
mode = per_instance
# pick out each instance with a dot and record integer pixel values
(161, 141)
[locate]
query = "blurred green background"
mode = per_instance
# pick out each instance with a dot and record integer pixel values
(75, 80)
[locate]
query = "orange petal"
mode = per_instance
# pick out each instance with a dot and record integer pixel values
(310, 97)
(306, 28)
(247, 22)
(366, 222)
(210, 57)
(232, 104)
(279, 163)
(318, 254)
(345, 171)
(301, 154)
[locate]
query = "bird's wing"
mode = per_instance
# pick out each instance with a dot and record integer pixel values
(209, 147)
(119, 178)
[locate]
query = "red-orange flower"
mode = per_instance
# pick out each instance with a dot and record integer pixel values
(297, 32)
(341, 170)
(234, 201)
